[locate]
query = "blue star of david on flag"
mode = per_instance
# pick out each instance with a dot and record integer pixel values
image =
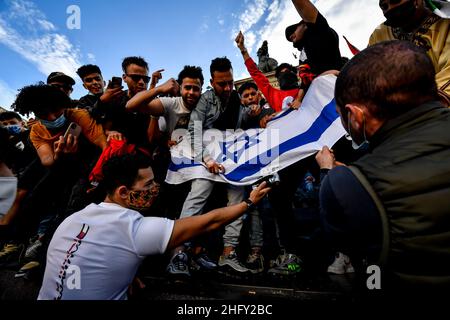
(234, 149)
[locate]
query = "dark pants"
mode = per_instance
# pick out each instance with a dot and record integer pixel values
(281, 199)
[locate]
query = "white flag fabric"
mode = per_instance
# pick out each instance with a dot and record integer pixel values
(250, 155)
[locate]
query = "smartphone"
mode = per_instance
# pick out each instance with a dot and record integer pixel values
(74, 129)
(116, 82)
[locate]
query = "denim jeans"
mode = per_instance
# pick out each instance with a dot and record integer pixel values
(196, 200)
(256, 229)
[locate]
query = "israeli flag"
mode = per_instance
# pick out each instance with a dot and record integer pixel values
(250, 155)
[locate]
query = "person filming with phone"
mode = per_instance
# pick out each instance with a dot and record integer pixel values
(50, 135)
(68, 142)
(99, 97)
(93, 82)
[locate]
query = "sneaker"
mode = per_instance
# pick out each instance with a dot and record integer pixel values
(233, 262)
(255, 262)
(203, 262)
(341, 265)
(28, 270)
(11, 253)
(286, 264)
(178, 265)
(33, 250)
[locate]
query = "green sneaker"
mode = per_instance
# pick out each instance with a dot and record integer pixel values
(286, 264)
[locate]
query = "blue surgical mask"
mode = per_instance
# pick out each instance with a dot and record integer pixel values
(14, 129)
(58, 123)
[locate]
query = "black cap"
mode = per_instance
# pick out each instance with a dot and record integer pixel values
(59, 76)
(291, 29)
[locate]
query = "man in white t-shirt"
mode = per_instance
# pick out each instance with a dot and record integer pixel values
(175, 111)
(95, 253)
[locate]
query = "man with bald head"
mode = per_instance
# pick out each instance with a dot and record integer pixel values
(393, 202)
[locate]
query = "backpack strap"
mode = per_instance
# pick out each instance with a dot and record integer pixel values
(380, 207)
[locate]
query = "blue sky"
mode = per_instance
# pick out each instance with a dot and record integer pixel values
(35, 40)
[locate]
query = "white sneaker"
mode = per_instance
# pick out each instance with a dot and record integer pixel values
(232, 262)
(341, 264)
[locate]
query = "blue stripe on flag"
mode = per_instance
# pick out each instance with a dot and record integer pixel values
(182, 163)
(283, 114)
(320, 125)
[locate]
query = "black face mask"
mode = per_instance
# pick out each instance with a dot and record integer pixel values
(300, 45)
(401, 15)
(288, 81)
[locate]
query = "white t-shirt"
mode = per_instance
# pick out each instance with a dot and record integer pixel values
(100, 249)
(176, 115)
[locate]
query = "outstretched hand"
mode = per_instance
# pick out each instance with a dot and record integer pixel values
(260, 192)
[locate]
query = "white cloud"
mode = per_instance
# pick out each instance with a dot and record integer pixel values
(244, 75)
(91, 57)
(221, 21)
(24, 13)
(25, 30)
(252, 14)
(353, 18)
(7, 96)
(204, 27)
(250, 40)
(46, 25)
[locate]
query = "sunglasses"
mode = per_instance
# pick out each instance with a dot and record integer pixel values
(138, 77)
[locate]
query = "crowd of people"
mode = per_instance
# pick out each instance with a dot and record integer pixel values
(82, 181)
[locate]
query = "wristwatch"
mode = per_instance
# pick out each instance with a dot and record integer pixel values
(250, 204)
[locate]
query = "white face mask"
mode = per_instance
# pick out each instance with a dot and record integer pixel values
(8, 188)
(363, 146)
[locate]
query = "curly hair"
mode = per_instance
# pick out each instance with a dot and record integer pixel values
(40, 99)
(191, 72)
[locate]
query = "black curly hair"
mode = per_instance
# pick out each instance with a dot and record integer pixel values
(191, 72)
(40, 99)
(88, 69)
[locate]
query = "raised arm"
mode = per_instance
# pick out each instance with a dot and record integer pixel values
(188, 228)
(142, 102)
(307, 11)
(241, 45)
(260, 79)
